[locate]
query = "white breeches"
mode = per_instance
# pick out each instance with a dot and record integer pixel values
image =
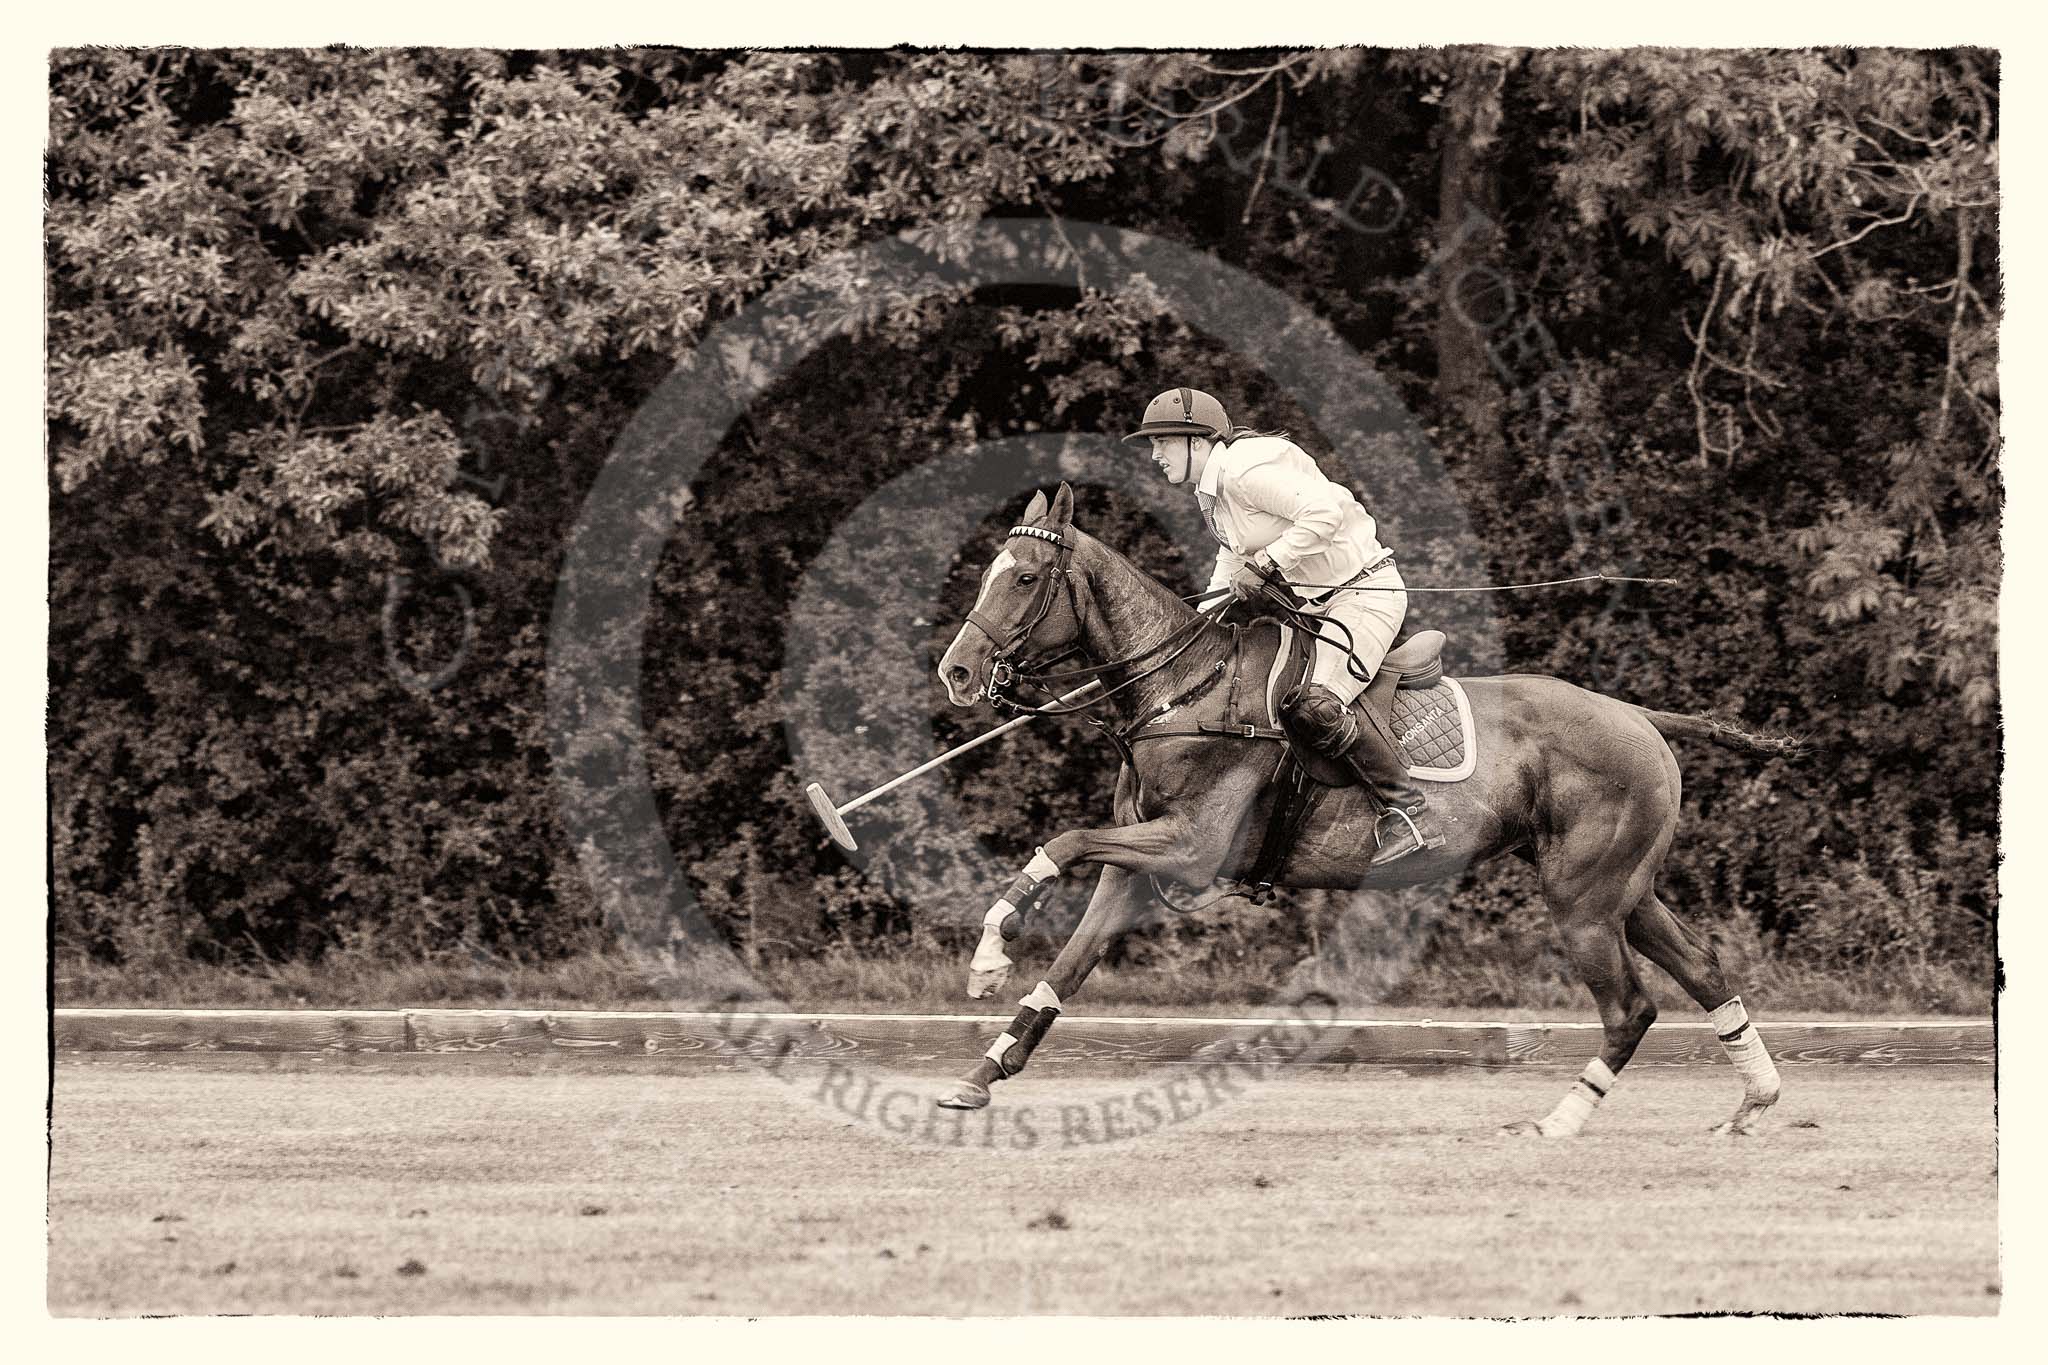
(1374, 619)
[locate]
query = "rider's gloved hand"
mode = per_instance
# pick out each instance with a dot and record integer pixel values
(1252, 580)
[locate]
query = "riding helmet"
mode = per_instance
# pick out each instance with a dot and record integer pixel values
(1183, 412)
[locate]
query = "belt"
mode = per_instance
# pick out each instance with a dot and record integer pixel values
(1368, 571)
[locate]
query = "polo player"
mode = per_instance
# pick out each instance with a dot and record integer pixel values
(1276, 518)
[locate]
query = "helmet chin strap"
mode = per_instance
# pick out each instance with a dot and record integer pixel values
(1187, 462)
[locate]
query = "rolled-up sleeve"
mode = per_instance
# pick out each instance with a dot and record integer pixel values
(1311, 504)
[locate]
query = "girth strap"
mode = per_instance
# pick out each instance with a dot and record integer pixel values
(1294, 796)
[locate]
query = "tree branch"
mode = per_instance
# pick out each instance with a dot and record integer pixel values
(1265, 155)
(1692, 377)
(337, 353)
(1965, 242)
(1912, 137)
(1211, 110)
(1080, 270)
(1869, 228)
(1287, 64)
(1750, 376)
(1201, 111)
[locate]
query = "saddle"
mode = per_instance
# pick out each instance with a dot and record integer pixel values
(1304, 775)
(1417, 662)
(1433, 705)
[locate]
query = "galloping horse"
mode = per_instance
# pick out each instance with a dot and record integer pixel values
(1580, 785)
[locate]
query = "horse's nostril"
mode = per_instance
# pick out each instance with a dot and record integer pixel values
(957, 673)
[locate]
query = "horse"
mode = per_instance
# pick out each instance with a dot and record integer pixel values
(1580, 785)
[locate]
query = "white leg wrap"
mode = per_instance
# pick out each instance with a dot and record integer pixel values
(1745, 1047)
(1042, 997)
(1003, 1043)
(1579, 1102)
(988, 954)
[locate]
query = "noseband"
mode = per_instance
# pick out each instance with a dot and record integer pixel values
(1006, 668)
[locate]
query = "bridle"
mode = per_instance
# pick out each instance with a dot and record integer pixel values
(1007, 667)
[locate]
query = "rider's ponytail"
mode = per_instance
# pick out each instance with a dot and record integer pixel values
(1236, 432)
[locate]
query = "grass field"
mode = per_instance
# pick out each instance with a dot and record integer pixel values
(237, 1186)
(1531, 980)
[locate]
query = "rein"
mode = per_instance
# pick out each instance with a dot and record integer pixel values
(1280, 596)
(1193, 630)
(1006, 670)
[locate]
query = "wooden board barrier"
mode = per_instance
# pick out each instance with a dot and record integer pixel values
(232, 1031)
(913, 1040)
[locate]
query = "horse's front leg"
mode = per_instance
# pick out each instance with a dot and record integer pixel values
(1164, 846)
(1175, 846)
(989, 970)
(1119, 901)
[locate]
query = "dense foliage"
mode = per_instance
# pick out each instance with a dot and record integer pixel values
(338, 342)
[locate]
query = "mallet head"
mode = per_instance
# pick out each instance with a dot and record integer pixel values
(829, 814)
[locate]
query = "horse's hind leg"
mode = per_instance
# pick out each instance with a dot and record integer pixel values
(1626, 1013)
(1669, 942)
(1595, 869)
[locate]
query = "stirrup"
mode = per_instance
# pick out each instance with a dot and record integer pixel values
(1415, 842)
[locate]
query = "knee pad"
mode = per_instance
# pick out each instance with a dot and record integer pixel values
(1320, 720)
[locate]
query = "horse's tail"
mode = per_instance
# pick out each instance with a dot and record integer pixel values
(1674, 726)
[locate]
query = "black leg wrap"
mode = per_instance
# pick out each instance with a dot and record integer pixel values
(1027, 1028)
(1025, 893)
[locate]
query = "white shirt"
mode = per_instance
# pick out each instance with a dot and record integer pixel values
(1265, 493)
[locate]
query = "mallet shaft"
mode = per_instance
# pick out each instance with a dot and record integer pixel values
(893, 783)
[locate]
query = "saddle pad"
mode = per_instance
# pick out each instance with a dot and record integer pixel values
(1434, 727)
(1433, 724)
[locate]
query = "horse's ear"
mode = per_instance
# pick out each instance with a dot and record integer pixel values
(1063, 505)
(1036, 511)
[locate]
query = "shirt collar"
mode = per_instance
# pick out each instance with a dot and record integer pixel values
(1211, 472)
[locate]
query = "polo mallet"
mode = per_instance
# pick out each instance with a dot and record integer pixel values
(834, 817)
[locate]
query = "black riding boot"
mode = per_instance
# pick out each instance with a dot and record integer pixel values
(1406, 825)
(1369, 750)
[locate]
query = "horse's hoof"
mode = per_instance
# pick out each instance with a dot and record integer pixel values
(1743, 1123)
(981, 985)
(1522, 1128)
(969, 1095)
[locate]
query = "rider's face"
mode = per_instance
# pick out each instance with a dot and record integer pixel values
(1176, 455)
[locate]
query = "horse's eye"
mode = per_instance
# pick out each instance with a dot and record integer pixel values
(1026, 579)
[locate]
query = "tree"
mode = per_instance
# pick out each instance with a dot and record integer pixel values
(338, 340)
